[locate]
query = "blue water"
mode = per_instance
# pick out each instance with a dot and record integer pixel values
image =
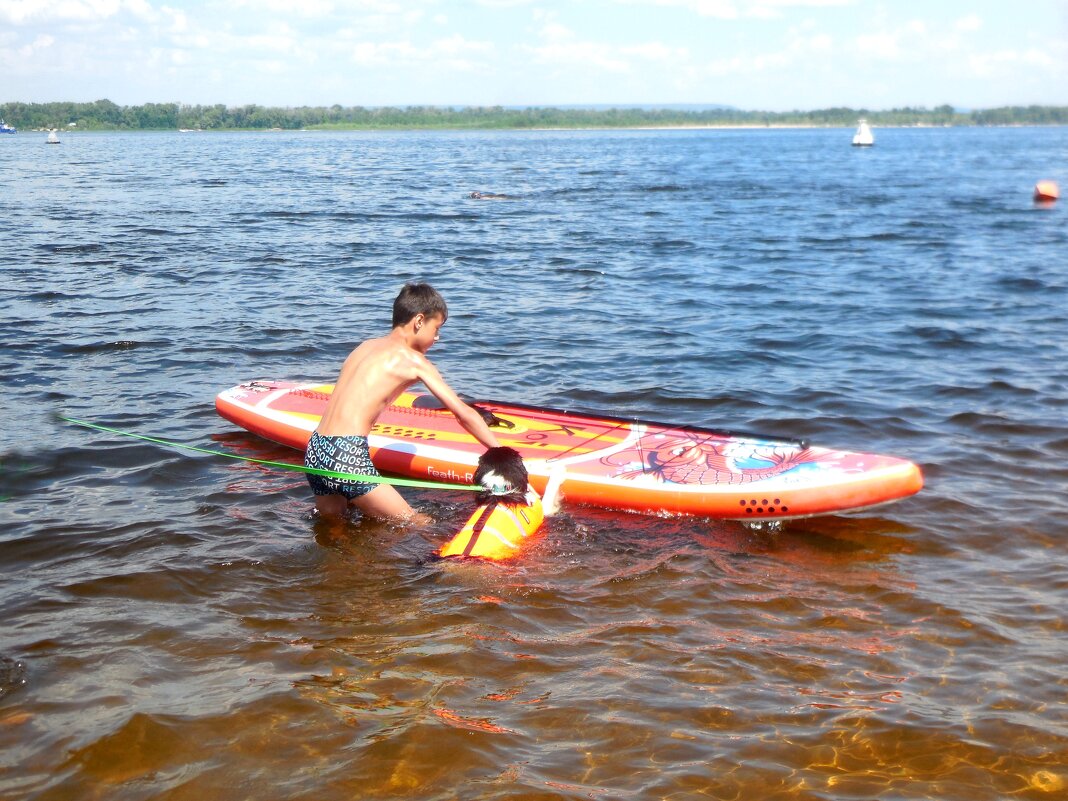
(179, 627)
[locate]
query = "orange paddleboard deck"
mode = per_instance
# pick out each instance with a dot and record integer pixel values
(610, 462)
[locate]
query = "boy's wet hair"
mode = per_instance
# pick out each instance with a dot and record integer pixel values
(503, 476)
(418, 299)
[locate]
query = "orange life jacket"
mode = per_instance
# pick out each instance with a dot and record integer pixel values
(496, 530)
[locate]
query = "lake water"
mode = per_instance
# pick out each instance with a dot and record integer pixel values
(182, 627)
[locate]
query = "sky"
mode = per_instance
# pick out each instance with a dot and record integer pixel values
(770, 55)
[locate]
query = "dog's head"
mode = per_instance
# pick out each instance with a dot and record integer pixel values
(502, 474)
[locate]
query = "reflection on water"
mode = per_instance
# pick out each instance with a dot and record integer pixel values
(184, 627)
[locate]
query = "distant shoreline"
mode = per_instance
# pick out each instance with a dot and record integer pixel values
(105, 115)
(520, 129)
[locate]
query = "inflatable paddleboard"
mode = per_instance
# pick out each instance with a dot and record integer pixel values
(610, 462)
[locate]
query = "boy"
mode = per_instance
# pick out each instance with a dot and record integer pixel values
(371, 378)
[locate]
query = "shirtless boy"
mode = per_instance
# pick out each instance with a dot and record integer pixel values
(371, 378)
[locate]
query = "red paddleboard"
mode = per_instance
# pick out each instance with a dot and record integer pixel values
(610, 462)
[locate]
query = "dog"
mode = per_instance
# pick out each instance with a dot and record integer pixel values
(509, 509)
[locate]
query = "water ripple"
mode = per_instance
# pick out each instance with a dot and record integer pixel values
(174, 621)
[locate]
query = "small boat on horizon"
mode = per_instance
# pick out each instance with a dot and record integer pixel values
(5, 128)
(863, 137)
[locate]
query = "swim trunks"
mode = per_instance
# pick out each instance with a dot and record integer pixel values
(342, 455)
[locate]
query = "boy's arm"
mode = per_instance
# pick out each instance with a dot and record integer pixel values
(470, 419)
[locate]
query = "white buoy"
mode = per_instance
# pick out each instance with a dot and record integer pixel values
(863, 137)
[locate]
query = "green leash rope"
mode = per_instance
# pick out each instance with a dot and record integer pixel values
(401, 482)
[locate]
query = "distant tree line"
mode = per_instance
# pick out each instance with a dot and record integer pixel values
(105, 115)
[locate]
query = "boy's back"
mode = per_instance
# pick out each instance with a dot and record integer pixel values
(371, 378)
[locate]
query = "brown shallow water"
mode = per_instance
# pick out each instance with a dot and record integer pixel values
(180, 627)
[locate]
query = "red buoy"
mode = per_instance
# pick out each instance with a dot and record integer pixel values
(1047, 191)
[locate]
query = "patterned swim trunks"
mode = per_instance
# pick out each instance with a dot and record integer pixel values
(342, 455)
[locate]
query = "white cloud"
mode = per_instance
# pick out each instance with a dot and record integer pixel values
(885, 45)
(303, 8)
(18, 12)
(911, 40)
(457, 45)
(988, 65)
(179, 23)
(804, 47)
(453, 51)
(799, 3)
(42, 42)
(569, 54)
(554, 31)
(280, 38)
(972, 22)
(736, 9)
(322, 8)
(561, 48)
(722, 9)
(504, 3)
(821, 43)
(272, 66)
(140, 9)
(657, 52)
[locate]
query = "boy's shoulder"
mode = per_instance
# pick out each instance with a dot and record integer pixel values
(383, 344)
(389, 348)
